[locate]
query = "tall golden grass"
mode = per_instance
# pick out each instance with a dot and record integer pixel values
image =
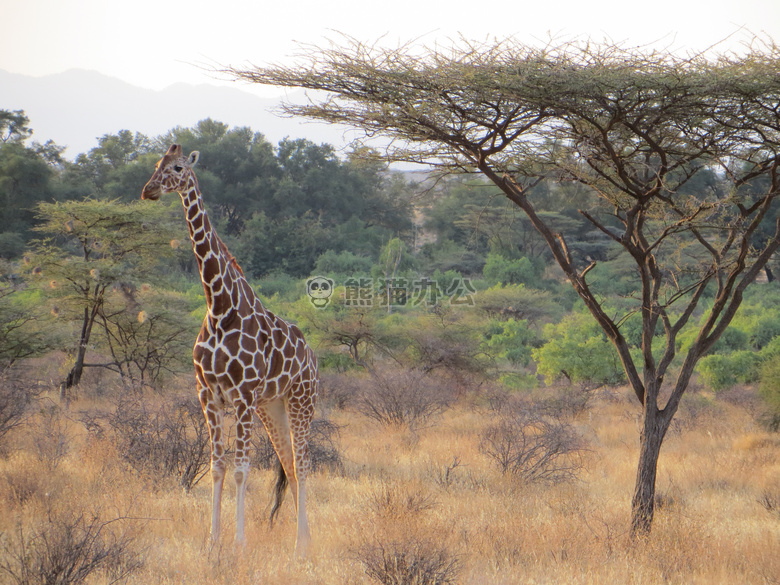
(430, 495)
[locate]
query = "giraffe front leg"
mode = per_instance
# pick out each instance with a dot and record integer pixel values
(214, 413)
(244, 416)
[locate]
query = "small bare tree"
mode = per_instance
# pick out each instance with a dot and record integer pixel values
(533, 448)
(171, 441)
(67, 550)
(407, 397)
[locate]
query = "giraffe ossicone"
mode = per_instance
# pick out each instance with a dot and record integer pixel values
(246, 358)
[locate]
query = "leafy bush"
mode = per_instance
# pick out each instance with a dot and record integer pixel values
(279, 283)
(769, 389)
(578, 351)
(512, 340)
(721, 371)
(517, 302)
(500, 270)
(343, 263)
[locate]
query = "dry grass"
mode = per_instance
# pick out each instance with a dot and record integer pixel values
(409, 501)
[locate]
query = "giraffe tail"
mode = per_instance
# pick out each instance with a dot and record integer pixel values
(279, 491)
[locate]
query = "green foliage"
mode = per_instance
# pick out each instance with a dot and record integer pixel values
(720, 371)
(14, 127)
(770, 392)
(518, 302)
(447, 281)
(343, 263)
(91, 248)
(445, 255)
(25, 179)
(742, 353)
(511, 340)
(12, 245)
(281, 284)
(25, 326)
(354, 331)
(578, 351)
(291, 245)
(500, 270)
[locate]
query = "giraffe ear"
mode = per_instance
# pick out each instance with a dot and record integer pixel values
(193, 158)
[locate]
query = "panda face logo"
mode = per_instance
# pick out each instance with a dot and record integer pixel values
(319, 289)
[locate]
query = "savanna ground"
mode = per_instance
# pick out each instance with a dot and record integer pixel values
(419, 502)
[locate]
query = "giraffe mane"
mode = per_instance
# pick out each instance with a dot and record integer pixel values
(228, 256)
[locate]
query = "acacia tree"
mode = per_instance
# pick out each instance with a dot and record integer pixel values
(147, 333)
(89, 248)
(635, 127)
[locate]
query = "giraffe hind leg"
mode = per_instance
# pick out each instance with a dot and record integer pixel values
(279, 491)
(300, 414)
(274, 417)
(288, 422)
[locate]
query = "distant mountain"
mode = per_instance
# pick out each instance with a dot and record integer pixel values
(75, 108)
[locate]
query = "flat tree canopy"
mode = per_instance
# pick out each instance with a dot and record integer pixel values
(642, 129)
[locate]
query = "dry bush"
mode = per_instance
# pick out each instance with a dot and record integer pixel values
(770, 501)
(406, 548)
(171, 440)
(68, 549)
(411, 561)
(338, 391)
(15, 401)
(444, 477)
(533, 447)
(566, 402)
(26, 481)
(408, 397)
(555, 402)
(324, 450)
(51, 437)
(390, 501)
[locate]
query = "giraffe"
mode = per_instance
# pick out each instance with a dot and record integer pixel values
(245, 357)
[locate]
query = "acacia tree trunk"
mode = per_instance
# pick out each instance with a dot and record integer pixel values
(650, 441)
(74, 375)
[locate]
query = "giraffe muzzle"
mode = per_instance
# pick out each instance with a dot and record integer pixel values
(152, 193)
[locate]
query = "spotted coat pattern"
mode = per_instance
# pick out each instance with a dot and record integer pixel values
(245, 357)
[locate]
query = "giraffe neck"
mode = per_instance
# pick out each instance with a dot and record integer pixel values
(218, 271)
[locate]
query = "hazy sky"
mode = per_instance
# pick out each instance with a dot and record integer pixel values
(155, 43)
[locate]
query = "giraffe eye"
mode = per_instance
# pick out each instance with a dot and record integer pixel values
(177, 168)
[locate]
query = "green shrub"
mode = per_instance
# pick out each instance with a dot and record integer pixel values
(721, 371)
(769, 388)
(512, 340)
(579, 351)
(500, 270)
(343, 263)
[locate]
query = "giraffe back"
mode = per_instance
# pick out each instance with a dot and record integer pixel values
(252, 350)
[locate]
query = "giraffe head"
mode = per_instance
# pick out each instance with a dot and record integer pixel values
(171, 174)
